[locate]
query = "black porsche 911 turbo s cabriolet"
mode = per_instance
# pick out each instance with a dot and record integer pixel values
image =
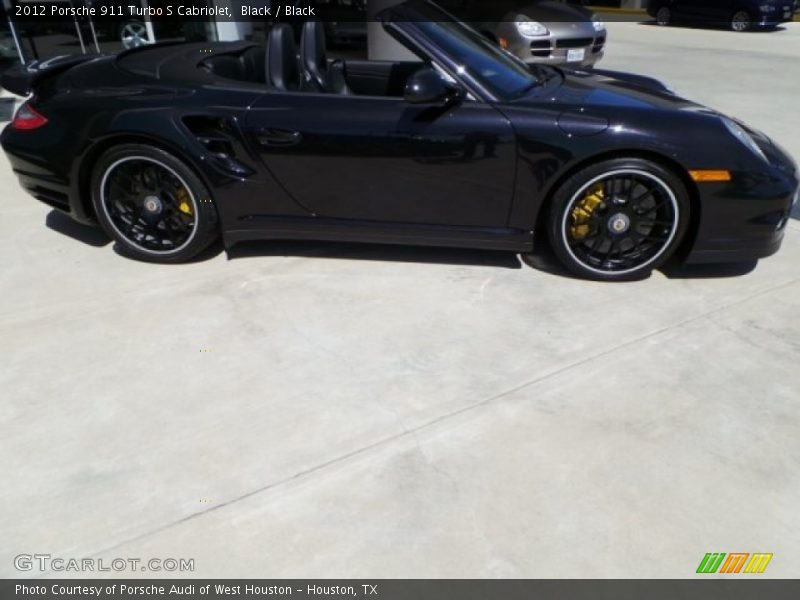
(169, 146)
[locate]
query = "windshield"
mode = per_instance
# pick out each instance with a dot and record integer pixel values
(502, 74)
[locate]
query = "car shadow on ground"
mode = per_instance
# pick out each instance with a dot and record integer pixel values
(61, 223)
(96, 237)
(543, 259)
(375, 252)
(713, 271)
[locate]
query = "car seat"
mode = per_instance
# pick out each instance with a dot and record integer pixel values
(281, 69)
(318, 74)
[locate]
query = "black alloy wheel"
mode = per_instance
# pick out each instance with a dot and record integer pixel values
(152, 204)
(619, 219)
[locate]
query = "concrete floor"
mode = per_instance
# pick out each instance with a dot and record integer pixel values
(330, 410)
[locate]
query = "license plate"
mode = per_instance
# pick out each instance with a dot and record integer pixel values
(787, 14)
(576, 54)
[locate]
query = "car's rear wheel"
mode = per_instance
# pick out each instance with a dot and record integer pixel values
(663, 16)
(741, 21)
(618, 219)
(152, 204)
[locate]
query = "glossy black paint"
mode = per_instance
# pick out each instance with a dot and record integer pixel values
(372, 166)
(426, 86)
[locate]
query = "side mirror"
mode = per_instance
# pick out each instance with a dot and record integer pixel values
(426, 86)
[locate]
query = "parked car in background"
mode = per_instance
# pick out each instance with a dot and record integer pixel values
(537, 31)
(738, 15)
(345, 21)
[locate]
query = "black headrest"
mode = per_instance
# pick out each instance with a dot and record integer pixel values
(254, 60)
(282, 72)
(313, 54)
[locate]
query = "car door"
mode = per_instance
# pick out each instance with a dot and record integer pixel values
(690, 9)
(718, 11)
(372, 158)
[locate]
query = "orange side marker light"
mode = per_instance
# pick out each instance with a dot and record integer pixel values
(710, 175)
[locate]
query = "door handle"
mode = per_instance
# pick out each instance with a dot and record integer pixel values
(279, 137)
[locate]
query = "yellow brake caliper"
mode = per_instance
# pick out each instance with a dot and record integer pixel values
(583, 211)
(183, 201)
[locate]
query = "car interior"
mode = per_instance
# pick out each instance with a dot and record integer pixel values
(281, 66)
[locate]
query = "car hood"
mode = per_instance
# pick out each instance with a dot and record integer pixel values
(616, 89)
(554, 12)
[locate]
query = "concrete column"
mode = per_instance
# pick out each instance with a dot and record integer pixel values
(380, 45)
(12, 28)
(231, 31)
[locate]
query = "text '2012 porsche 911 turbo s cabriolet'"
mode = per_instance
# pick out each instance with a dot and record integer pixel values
(170, 146)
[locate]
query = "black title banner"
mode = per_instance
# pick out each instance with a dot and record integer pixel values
(411, 589)
(107, 11)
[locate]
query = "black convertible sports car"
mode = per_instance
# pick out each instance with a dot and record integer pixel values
(167, 146)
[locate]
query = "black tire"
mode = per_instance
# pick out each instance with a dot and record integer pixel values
(619, 219)
(664, 16)
(741, 21)
(154, 206)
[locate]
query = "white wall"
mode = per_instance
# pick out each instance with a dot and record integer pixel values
(382, 46)
(228, 31)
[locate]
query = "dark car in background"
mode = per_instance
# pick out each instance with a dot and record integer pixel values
(738, 15)
(537, 31)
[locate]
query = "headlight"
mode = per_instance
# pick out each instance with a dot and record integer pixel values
(744, 137)
(598, 24)
(530, 28)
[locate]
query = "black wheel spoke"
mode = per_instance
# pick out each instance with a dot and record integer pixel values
(656, 223)
(596, 247)
(141, 199)
(172, 234)
(125, 179)
(133, 220)
(646, 194)
(652, 209)
(583, 240)
(653, 238)
(632, 226)
(614, 249)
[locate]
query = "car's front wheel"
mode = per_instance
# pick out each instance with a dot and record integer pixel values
(152, 204)
(618, 219)
(741, 21)
(663, 16)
